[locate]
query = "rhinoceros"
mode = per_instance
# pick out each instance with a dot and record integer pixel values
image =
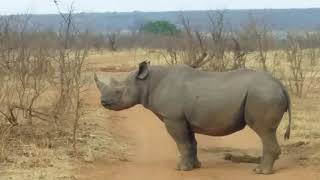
(190, 101)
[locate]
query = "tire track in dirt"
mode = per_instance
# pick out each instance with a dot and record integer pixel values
(154, 156)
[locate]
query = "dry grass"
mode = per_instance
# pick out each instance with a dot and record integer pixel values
(43, 151)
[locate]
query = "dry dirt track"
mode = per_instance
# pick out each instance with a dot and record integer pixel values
(154, 156)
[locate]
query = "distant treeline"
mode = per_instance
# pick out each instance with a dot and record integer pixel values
(278, 19)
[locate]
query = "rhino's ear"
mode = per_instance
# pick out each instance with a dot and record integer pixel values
(143, 70)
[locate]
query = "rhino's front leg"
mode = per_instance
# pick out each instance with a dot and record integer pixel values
(186, 143)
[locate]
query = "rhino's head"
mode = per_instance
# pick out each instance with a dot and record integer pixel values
(119, 95)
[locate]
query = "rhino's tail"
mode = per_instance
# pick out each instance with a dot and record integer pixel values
(287, 133)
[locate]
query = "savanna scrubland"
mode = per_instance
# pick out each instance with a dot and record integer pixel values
(53, 127)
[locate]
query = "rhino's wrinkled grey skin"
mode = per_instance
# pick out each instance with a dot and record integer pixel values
(191, 101)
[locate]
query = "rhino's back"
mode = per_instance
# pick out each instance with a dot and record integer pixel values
(211, 102)
(214, 102)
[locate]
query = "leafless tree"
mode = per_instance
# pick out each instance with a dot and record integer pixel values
(212, 50)
(239, 56)
(302, 64)
(195, 50)
(261, 37)
(71, 61)
(112, 40)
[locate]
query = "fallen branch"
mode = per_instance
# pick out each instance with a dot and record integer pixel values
(242, 158)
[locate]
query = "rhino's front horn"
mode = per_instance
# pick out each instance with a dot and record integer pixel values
(99, 83)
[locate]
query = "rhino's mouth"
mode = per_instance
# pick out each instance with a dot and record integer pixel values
(107, 103)
(113, 106)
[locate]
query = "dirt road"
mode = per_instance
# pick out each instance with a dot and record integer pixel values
(154, 156)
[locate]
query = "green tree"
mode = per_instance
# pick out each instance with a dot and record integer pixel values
(160, 27)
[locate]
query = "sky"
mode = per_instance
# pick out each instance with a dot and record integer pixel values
(48, 7)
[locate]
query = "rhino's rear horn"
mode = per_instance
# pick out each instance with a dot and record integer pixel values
(99, 83)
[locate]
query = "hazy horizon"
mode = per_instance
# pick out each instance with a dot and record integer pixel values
(92, 6)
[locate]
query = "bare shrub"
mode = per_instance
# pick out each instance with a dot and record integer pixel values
(302, 62)
(71, 62)
(239, 55)
(194, 48)
(171, 56)
(24, 69)
(42, 76)
(112, 40)
(171, 52)
(212, 51)
(258, 37)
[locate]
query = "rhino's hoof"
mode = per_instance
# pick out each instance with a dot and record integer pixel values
(188, 166)
(197, 164)
(259, 170)
(184, 168)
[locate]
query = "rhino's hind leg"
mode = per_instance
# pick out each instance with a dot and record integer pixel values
(271, 152)
(263, 115)
(265, 125)
(180, 131)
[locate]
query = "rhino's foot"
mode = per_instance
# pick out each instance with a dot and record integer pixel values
(188, 166)
(260, 170)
